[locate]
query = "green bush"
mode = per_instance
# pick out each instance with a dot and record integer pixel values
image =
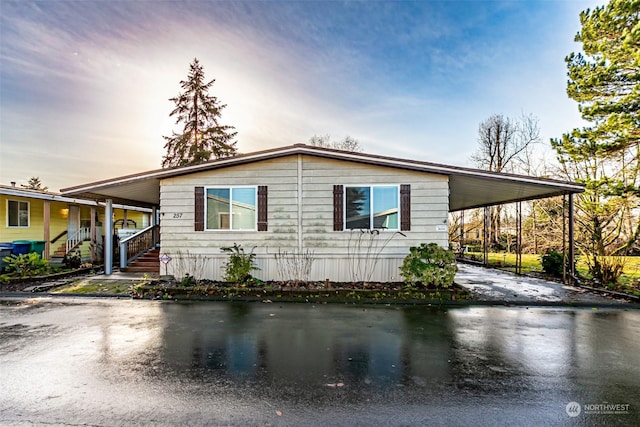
(238, 268)
(552, 263)
(188, 280)
(429, 264)
(26, 265)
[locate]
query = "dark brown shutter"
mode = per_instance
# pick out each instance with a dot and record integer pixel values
(199, 209)
(262, 208)
(338, 210)
(405, 207)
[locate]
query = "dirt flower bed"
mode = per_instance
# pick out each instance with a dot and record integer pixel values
(326, 291)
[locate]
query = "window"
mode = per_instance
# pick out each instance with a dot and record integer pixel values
(231, 208)
(371, 207)
(17, 213)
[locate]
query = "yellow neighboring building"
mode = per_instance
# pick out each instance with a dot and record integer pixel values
(60, 223)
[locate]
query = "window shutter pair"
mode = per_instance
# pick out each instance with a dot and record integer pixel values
(405, 207)
(200, 208)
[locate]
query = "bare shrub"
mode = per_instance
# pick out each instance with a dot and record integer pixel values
(363, 251)
(191, 265)
(294, 266)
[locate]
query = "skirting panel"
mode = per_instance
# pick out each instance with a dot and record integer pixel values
(293, 267)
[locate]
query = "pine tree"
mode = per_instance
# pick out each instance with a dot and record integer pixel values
(203, 136)
(605, 155)
(34, 183)
(605, 81)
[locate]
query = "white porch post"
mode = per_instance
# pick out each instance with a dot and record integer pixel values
(108, 236)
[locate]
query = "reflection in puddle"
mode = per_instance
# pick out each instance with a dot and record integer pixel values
(305, 346)
(119, 354)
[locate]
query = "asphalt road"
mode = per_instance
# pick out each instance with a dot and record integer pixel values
(106, 362)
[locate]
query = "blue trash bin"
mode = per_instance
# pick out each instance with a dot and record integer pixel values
(21, 247)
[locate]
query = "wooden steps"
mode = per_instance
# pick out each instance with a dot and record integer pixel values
(148, 262)
(58, 255)
(60, 252)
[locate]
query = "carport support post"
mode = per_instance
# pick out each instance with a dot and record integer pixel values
(485, 233)
(108, 236)
(572, 272)
(462, 233)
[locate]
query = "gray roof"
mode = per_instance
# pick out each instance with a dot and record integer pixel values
(469, 188)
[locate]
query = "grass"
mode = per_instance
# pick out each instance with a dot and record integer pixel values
(103, 287)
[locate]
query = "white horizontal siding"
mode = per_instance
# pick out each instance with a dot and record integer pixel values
(333, 268)
(429, 206)
(336, 254)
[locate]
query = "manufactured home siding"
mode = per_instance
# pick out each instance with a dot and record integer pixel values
(429, 202)
(177, 208)
(337, 255)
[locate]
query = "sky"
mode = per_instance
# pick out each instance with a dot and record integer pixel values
(85, 85)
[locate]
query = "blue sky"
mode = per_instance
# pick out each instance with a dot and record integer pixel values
(84, 85)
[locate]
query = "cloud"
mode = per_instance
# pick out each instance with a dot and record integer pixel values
(86, 84)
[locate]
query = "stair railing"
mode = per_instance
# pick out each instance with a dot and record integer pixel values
(58, 237)
(137, 244)
(83, 233)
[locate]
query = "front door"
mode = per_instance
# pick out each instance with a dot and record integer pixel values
(73, 221)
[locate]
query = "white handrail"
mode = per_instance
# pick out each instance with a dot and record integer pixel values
(124, 255)
(81, 235)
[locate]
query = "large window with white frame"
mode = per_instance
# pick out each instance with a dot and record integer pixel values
(372, 207)
(17, 214)
(231, 208)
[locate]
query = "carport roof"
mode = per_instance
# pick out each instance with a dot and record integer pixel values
(468, 187)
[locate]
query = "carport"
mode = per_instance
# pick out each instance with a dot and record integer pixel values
(468, 188)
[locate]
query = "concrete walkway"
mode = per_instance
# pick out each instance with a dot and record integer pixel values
(491, 285)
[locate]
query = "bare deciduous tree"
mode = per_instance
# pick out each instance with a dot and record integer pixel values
(346, 144)
(504, 146)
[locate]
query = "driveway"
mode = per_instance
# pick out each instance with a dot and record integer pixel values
(491, 285)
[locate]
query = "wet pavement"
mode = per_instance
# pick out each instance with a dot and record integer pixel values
(491, 285)
(89, 361)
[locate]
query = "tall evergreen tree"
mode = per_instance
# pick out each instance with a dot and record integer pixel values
(605, 81)
(203, 136)
(34, 183)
